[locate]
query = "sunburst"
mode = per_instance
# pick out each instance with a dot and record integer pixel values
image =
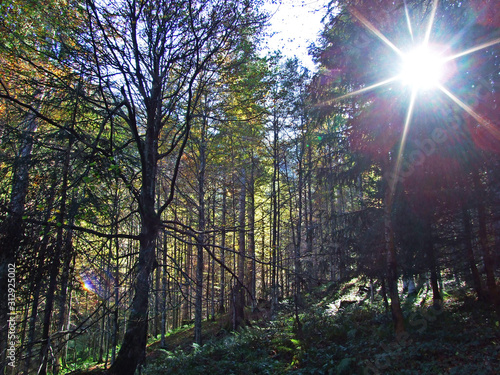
(421, 69)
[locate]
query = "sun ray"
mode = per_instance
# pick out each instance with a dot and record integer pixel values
(374, 30)
(408, 21)
(360, 91)
(404, 136)
(483, 121)
(473, 49)
(431, 22)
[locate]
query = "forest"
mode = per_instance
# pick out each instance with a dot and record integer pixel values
(174, 200)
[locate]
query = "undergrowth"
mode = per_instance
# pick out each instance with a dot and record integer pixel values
(458, 337)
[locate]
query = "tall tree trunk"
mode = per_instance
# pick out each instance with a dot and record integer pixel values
(214, 272)
(252, 274)
(56, 261)
(12, 228)
(431, 259)
(63, 315)
(223, 252)
(186, 305)
(36, 285)
(198, 307)
(298, 279)
(201, 235)
(274, 212)
(116, 280)
(157, 318)
(392, 276)
(485, 244)
(298, 243)
(476, 277)
(164, 286)
(133, 349)
(309, 204)
(239, 299)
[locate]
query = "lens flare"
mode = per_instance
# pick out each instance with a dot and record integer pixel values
(97, 281)
(427, 66)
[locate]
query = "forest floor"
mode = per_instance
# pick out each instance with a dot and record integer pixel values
(342, 332)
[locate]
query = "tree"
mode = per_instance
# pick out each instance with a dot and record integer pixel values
(165, 54)
(31, 61)
(393, 134)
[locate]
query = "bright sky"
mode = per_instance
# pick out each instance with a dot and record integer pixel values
(294, 25)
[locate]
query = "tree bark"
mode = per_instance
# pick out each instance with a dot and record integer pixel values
(133, 349)
(431, 259)
(56, 261)
(485, 245)
(63, 314)
(274, 213)
(476, 277)
(252, 274)
(13, 227)
(309, 204)
(37, 279)
(222, 297)
(164, 295)
(239, 299)
(392, 276)
(200, 237)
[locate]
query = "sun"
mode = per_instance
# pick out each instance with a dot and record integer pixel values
(422, 68)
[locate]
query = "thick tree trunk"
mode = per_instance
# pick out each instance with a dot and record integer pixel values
(133, 349)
